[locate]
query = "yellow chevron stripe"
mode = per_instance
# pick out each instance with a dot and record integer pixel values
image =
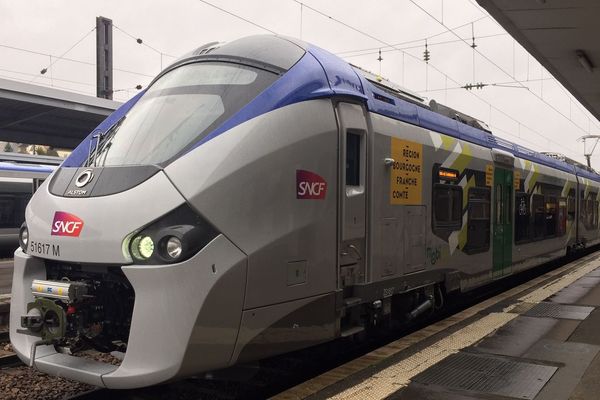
(448, 142)
(463, 159)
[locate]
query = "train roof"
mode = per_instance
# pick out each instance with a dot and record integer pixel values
(21, 158)
(309, 72)
(15, 170)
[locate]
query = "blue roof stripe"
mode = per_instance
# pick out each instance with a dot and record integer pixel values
(26, 168)
(320, 74)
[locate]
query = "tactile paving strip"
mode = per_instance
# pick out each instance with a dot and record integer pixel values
(488, 374)
(560, 311)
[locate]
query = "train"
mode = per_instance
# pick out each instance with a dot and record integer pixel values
(263, 196)
(20, 176)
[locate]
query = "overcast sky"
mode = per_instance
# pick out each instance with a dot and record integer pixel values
(531, 117)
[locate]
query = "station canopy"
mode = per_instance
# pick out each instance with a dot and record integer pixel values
(43, 115)
(563, 35)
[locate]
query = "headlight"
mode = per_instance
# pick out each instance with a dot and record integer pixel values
(23, 237)
(174, 247)
(174, 237)
(142, 247)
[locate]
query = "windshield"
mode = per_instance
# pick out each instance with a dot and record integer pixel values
(178, 110)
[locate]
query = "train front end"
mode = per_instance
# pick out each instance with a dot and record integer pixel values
(117, 255)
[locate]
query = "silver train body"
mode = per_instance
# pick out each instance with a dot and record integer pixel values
(264, 196)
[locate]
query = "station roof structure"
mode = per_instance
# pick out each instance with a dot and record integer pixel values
(43, 115)
(562, 35)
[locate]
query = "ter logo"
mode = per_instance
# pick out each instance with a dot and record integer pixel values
(310, 185)
(65, 224)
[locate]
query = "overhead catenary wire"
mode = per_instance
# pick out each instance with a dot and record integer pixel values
(383, 50)
(430, 65)
(238, 16)
(495, 64)
(420, 40)
(65, 53)
(143, 43)
(72, 60)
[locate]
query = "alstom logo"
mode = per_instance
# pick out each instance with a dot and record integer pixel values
(66, 224)
(310, 185)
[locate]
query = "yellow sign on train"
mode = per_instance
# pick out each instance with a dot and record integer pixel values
(406, 180)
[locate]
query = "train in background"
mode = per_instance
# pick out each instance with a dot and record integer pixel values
(20, 176)
(263, 196)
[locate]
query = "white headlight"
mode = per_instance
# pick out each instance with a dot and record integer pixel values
(174, 247)
(24, 237)
(142, 247)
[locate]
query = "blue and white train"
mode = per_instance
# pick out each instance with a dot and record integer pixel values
(264, 196)
(20, 176)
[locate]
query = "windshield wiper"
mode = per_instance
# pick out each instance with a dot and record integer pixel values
(102, 138)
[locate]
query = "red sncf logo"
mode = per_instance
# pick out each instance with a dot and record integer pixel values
(310, 185)
(65, 224)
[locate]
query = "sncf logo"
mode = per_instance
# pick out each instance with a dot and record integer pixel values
(66, 224)
(310, 185)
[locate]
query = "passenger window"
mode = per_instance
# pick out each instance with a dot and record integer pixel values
(582, 207)
(539, 216)
(551, 216)
(352, 159)
(522, 214)
(447, 207)
(562, 217)
(571, 205)
(592, 211)
(478, 223)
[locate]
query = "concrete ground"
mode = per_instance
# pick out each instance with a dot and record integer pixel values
(538, 342)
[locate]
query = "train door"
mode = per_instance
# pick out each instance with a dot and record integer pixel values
(353, 195)
(503, 229)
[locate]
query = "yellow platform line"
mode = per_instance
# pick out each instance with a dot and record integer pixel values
(399, 375)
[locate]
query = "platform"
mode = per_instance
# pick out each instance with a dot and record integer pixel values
(538, 341)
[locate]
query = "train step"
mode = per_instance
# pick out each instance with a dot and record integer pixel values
(352, 331)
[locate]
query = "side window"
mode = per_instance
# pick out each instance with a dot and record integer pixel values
(551, 216)
(478, 223)
(593, 210)
(447, 207)
(582, 208)
(539, 216)
(352, 159)
(562, 217)
(522, 214)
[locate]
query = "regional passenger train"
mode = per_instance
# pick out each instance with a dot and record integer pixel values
(264, 196)
(20, 176)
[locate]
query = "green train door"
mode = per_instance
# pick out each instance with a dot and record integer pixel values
(502, 231)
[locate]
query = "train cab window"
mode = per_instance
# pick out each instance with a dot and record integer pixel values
(539, 216)
(561, 229)
(551, 216)
(352, 159)
(522, 216)
(447, 207)
(478, 223)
